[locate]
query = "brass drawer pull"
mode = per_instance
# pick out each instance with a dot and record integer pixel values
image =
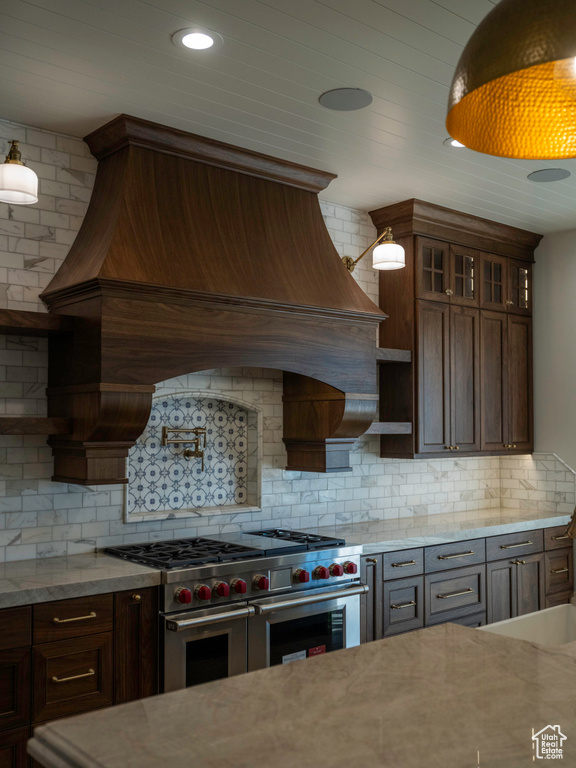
(73, 677)
(468, 591)
(403, 605)
(518, 562)
(560, 538)
(403, 565)
(560, 570)
(91, 615)
(451, 557)
(513, 546)
(372, 560)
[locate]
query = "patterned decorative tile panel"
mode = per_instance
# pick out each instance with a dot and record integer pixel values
(160, 478)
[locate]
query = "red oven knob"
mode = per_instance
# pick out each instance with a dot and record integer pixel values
(301, 575)
(336, 570)
(183, 595)
(239, 586)
(221, 589)
(261, 582)
(321, 572)
(350, 567)
(203, 592)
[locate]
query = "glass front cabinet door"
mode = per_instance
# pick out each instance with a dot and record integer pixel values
(448, 273)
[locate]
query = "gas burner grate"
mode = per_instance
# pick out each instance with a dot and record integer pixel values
(182, 553)
(310, 540)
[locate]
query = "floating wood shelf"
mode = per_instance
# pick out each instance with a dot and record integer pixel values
(34, 425)
(384, 355)
(19, 323)
(390, 428)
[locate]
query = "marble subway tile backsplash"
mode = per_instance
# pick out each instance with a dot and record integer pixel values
(39, 518)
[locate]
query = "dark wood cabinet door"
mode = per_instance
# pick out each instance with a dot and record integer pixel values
(14, 688)
(433, 377)
(464, 276)
(455, 594)
(371, 604)
(519, 299)
(559, 571)
(13, 748)
(502, 589)
(465, 378)
(493, 380)
(432, 269)
(531, 584)
(493, 282)
(16, 624)
(135, 646)
(520, 416)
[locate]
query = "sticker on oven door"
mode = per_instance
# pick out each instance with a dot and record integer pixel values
(317, 651)
(290, 657)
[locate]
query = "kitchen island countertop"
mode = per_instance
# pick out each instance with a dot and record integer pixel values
(446, 696)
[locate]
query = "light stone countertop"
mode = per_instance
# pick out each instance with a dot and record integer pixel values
(427, 699)
(425, 530)
(57, 578)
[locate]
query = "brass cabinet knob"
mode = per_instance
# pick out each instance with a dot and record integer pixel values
(371, 560)
(449, 292)
(136, 598)
(509, 303)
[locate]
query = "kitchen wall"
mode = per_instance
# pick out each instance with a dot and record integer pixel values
(554, 341)
(39, 518)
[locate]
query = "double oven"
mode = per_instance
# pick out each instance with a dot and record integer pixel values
(279, 625)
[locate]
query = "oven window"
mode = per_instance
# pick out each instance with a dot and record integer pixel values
(307, 636)
(206, 660)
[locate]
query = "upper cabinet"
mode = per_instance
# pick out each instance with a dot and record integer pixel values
(457, 307)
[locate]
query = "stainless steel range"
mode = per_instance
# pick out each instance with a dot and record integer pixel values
(245, 601)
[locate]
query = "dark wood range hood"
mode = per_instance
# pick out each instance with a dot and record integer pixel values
(195, 255)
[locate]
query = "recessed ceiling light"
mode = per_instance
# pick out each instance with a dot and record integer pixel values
(549, 174)
(453, 142)
(345, 99)
(198, 39)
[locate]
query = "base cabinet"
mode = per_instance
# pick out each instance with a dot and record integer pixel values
(13, 748)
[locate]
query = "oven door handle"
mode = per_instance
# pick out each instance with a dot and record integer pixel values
(284, 605)
(201, 621)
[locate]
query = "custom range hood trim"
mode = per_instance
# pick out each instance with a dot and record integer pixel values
(194, 255)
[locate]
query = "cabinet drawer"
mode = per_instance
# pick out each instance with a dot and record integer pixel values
(72, 676)
(559, 570)
(457, 554)
(562, 598)
(14, 688)
(514, 545)
(455, 594)
(408, 562)
(13, 748)
(16, 626)
(73, 618)
(554, 538)
(474, 621)
(403, 605)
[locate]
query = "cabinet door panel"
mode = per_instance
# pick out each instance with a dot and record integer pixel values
(135, 632)
(432, 269)
(14, 688)
(371, 604)
(494, 282)
(494, 380)
(531, 584)
(13, 748)
(464, 272)
(465, 378)
(502, 589)
(454, 594)
(16, 626)
(433, 377)
(520, 383)
(519, 288)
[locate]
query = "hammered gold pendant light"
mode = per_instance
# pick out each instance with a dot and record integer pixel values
(514, 90)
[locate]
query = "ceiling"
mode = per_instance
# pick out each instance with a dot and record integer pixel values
(71, 65)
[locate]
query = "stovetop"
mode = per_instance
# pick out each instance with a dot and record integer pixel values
(188, 553)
